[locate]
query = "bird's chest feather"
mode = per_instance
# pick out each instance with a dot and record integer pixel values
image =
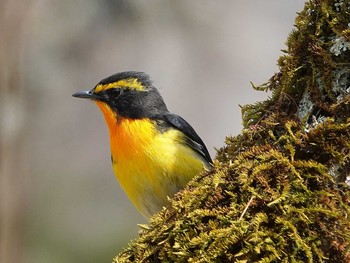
(150, 165)
(143, 157)
(144, 162)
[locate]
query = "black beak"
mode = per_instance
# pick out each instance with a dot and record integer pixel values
(85, 94)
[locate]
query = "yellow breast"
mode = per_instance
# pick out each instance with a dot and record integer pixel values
(150, 165)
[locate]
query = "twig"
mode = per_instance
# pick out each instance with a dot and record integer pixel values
(246, 208)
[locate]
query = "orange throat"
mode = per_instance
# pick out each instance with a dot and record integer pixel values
(127, 136)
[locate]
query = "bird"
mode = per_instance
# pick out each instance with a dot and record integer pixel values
(154, 153)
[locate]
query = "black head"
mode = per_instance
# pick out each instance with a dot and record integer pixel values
(130, 94)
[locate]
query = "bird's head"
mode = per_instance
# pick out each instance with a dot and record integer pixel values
(128, 94)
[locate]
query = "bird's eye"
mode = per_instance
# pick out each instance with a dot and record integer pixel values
(114, 93)
(111, 93)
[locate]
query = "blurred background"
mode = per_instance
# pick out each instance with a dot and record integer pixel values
(59, 199)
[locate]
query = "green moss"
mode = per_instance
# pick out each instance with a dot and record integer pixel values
(277, 192)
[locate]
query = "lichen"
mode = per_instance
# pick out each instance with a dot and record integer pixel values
(340, 45)
(341, 83)
(277, 192)
(305, 107)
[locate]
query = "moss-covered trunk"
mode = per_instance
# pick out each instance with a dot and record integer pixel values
(278, 191)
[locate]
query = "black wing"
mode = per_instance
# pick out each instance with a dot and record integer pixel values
(193, 140)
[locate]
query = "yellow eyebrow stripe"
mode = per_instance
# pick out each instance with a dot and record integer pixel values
(131, 83)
